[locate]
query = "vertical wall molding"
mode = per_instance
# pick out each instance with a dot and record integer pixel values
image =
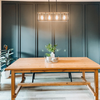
(34, 26)
(36, 32)
(67, 31)
(83, 31)
(19, 32)
(16, 20)
(0, 25)
(85, 41)
(86, 37)
(69, 35)
(51, 26)
(99, 33)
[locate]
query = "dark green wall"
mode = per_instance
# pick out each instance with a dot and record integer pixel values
(78, 37)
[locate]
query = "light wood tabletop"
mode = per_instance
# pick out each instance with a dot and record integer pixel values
(63, 63)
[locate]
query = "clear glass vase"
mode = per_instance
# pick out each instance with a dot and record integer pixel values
(52, 55)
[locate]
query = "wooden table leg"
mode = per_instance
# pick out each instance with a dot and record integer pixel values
(83, 74)
(96, 84)
(12, 85)
(23, 76)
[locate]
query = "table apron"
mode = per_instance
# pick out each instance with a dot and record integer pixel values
(60, 70)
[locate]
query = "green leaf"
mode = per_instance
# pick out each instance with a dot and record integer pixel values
(47, 54)
(50, 48)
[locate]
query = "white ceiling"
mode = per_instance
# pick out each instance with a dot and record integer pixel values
(57, 0)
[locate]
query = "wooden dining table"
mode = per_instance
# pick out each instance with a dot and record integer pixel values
(64, 64)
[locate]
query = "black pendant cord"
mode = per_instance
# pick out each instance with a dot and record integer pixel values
(49, 4)
(56, 5)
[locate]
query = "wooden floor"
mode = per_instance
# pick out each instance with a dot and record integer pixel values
(52, 92)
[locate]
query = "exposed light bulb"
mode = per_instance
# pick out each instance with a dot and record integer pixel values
(49, 17)
(42, 17)
(56, 17)
(64, 17)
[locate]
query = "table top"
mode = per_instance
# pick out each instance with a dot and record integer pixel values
(63, 63)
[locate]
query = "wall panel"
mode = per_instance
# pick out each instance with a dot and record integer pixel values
(27, 30)
(9, 27)
(76, 30)
(61, 33)
(92, 31)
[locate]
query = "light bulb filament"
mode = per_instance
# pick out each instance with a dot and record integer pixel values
(56, 17)
(49, 17)
(42, 17)
(64, 17)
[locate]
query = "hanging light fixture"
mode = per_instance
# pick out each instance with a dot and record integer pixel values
(53, 16)
(49, 16)
(56, 12)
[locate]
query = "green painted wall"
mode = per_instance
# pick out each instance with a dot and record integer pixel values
(78, 37)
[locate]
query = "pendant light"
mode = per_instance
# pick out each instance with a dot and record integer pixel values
(53, 16)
